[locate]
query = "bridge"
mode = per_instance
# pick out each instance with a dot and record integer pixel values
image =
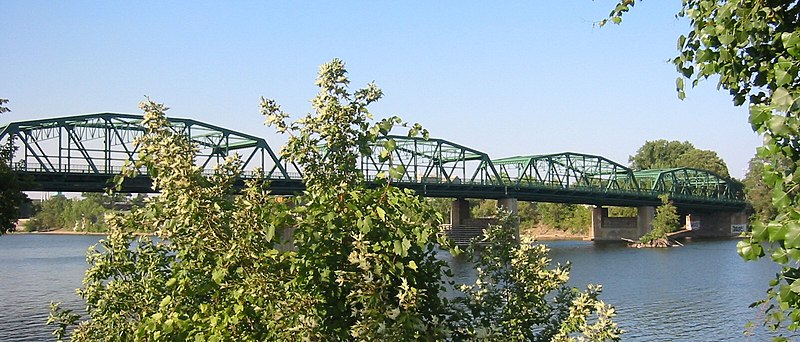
(82, 153)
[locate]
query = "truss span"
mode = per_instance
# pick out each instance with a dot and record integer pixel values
(80, 153)
(83, 149)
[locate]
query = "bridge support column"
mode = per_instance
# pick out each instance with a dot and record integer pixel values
(644, 220)
(459, 211)
(606, 228)
(512, 205)
(598, 213)
(714, 224)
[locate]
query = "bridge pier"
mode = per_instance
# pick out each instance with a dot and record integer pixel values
(512, 205)
(705, 224)
(715, 224)
(605, 228)
(459, 211)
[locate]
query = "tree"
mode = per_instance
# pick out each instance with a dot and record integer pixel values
(759, 194)
(11, 195)
(665, 221)
(360, 262)
(575, 218)
(59, 212)
(663, 154)
(659, 154)
(518, 297)
(704, 159)
(752, 47)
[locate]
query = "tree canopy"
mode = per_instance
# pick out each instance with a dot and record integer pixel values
(752, 49)
(663, 154)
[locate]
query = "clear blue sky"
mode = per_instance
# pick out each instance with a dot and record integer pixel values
(507, 78)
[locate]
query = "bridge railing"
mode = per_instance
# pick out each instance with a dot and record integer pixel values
(117, 169)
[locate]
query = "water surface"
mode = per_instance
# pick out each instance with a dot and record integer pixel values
(699, 292)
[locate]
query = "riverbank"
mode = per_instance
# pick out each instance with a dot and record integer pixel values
(69, 232)
(544, 233)
(58, 232)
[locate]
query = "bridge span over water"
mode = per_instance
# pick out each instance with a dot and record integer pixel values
(81, 153)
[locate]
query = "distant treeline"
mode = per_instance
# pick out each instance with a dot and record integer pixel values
(86, 214)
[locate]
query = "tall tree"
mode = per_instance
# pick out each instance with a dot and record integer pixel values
(759, 194)
(752, 48)
(659, 154)
(11, 195)
(663, 154)
(704, 159)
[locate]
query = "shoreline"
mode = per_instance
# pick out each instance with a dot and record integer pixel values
(67, 232)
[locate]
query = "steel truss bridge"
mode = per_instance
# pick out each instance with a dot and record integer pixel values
(82, 153)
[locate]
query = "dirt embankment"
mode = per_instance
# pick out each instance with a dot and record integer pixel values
(546, 233)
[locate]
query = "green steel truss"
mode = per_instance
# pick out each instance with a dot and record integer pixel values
(101, 143)
(567, 170)
(688, 183)
(80, 153)
(431, 161)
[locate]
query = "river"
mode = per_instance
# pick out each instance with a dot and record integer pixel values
(699, 292)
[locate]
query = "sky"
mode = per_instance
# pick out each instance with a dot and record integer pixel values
(506, 78)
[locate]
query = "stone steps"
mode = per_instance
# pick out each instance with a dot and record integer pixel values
(462, 235)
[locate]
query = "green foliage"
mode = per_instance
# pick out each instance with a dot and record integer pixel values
(374, 275)
(441, 206)
(11, 196)
(81, 215)
(518, 297)
(483, 207)
(663, 154)
(665, 221)
(343, 261)
(759, 195)
(574, 218)
(622, 211)
(752, 47)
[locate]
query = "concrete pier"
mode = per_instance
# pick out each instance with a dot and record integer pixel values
(705, 224)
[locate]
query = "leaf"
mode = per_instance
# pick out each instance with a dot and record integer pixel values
(779, 255)
(749, 251)
(390, 145)
(782, 74)
(365, 225)
(777, 232)
(792, 239)
(759, 115)
(793, 253)
(397, 172)
(780, 198)
(165, 301)
(412, 265)
(218, 275)
(781, 99)
(760, 231)
(795, 286)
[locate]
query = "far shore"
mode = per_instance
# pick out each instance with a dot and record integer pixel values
(69, 232)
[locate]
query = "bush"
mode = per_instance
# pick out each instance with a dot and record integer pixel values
(360, 265)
